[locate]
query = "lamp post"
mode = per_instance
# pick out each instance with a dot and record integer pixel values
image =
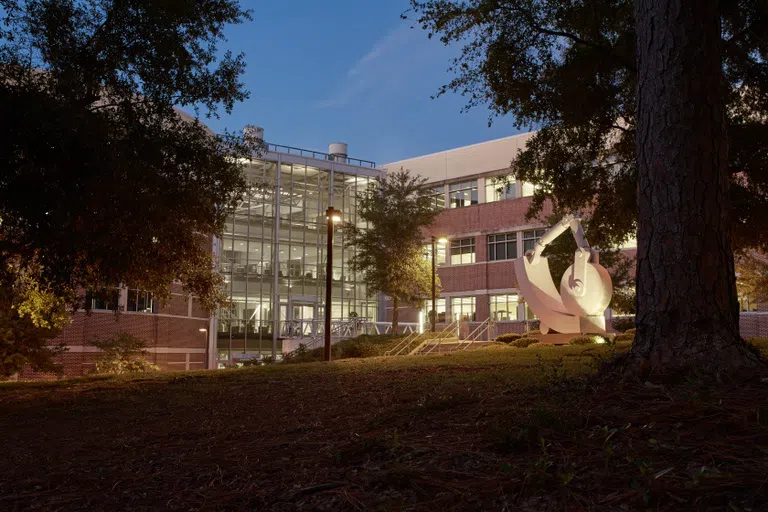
(435, 241)
(333, 216)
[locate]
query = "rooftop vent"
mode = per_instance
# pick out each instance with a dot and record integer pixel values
(252, 133)
(337, 151)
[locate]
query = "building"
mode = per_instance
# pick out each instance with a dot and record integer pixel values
(273, 250)
(484, 220)
(272, 256)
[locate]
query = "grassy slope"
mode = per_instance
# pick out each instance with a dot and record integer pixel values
(476, 430)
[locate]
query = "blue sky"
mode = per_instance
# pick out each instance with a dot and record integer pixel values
(350, 71)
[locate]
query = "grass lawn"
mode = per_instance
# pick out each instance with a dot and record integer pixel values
(497, 428)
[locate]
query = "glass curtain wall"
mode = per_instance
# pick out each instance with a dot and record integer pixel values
(273, 258)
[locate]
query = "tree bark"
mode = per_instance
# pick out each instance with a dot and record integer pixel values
(687, 308)
(395, 314)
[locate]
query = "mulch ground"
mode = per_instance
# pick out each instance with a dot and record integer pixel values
(461, 438)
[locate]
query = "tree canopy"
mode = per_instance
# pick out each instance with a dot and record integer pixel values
(569, 70)
(651, 119)
(106, 182)
(390, 250)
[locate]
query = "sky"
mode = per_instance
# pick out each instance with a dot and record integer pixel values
(350, 71)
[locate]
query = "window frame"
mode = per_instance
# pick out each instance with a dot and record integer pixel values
(492, 192)
(463, 187)
(537, 234)
(470, 301)
(465, 246)
(493, 300)
(137, 296)
(493, 246)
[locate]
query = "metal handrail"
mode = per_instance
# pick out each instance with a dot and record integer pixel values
(474, 335)
(450, 327)
(279, 148)
(405, 342)
(317, 338)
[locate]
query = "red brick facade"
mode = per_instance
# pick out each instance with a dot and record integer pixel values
(174, 337)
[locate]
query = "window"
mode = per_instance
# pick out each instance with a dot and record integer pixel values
(531, 237)
(502, 247)
(441, 251)
(463, 194)
(463, 308)
(462, 251)
(141, 302)
(106, 300)
(527, 190)
(498, 188)
(438, 194)
(504, 307)
(440, 306)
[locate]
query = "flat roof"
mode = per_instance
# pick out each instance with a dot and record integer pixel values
(479, 158)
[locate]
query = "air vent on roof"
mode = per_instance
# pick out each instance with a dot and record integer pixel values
(338, 151)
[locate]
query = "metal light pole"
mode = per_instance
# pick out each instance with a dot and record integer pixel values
(333, 216)
(435, 241)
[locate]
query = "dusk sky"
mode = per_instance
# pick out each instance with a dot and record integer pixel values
(354, 72)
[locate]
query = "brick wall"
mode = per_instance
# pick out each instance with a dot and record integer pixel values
(493, 217)
(173, 343)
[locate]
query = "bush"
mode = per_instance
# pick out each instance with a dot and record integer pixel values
(524, 342)
(625, 337)
(365, 345)
(122, 354)
(508, 338)
(531, 332)
(631, 331)
(587, 339)
(624, 323)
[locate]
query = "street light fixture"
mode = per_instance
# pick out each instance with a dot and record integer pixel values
(333, 216)
(442, 241)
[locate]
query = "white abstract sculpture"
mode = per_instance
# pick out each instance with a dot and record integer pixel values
(585, 289)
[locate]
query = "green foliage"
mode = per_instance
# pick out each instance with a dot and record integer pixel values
(508, 338)
(531, 332)
(104, 181)
(390, 253)
(524, 342)
(31, 315)
(569, 68)
(587, 339)
(752, 276)
(624, 323)
(365, 345)
(122, 354)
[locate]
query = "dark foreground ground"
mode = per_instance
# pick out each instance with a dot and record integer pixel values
(493, 429)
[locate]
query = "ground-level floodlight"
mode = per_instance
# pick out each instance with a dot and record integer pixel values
(585, 288)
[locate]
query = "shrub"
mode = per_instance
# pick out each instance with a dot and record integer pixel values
(531, 332)
(508, 338)
(587, 339)
(122, 354)
(524, 342)
(631, 331)
(624, 323)
(625, 337)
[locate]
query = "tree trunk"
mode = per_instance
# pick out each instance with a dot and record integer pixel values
(395, 314)
(687, 309)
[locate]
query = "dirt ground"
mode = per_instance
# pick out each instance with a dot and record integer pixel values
(493, 429)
